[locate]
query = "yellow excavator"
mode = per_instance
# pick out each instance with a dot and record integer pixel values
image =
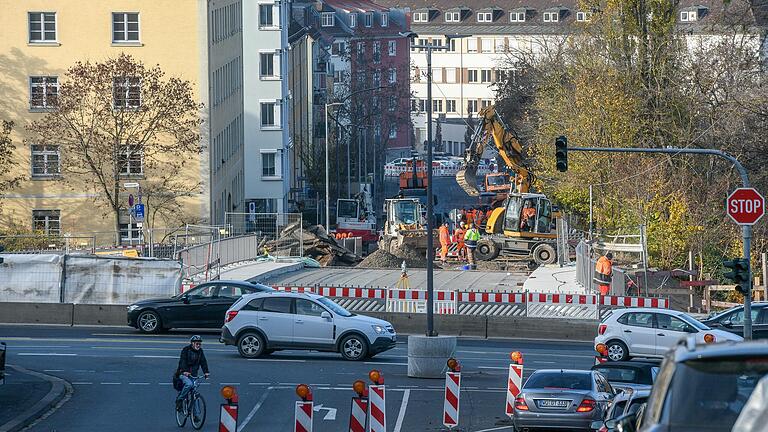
(522, 226)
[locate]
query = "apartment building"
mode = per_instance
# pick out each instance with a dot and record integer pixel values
(196, 40)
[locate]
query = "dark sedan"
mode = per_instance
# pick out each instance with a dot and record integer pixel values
(201, 307)
(562, 399)
(732, 320)
(635, 374)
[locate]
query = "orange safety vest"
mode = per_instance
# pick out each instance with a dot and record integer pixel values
(603, 270)
(445, 236)
(458, 235)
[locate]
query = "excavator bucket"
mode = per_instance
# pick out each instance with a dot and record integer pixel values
(467, 179)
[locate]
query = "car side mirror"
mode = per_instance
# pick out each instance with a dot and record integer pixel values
(185, 299)
(626, 423)
(325, 315)
(596, 425)
(727, 324)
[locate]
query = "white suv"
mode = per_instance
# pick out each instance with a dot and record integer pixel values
(266, 322)
(647, 332)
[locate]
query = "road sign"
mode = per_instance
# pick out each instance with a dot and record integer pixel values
(130, 200)
(745, 206)
(138, 211)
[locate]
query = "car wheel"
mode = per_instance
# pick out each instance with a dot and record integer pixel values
(251, 345)
(354, 348)
(617, 351)
(544, 254)
(149, 322)
(486, 250)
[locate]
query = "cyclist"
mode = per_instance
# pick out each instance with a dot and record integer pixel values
(192, 358)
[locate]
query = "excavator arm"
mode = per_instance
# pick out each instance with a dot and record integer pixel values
(492, 127)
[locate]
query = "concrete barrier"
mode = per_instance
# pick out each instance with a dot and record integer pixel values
(36, 313)
(88, 314)
(538, 328)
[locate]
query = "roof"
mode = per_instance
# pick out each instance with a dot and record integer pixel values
(682, 353)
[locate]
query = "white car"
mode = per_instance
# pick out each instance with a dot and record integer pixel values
(647, 332)
(266, 322)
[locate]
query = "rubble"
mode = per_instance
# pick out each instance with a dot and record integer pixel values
(316, 245)
(383, 259)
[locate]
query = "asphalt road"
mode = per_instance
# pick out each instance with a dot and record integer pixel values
(121, 380)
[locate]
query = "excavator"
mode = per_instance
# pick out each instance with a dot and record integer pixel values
(522, 224)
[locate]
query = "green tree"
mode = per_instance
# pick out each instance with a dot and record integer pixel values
(7, 178)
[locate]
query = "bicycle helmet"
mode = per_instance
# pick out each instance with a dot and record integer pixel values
(195, 338)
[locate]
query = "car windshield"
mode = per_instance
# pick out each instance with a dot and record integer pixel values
(694, 322)
(406, 212)
(497, 180)
(559, 380)
(330, 304)
(619, 374)
(708, 395)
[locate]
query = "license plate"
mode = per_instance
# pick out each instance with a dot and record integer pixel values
(553, 403)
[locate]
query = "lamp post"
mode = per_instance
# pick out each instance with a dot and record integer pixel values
(327, 170)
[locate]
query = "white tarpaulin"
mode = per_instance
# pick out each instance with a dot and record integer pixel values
(107, 280)
(30, 278)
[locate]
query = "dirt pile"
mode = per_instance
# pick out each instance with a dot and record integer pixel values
(315, 243)
(383, 259)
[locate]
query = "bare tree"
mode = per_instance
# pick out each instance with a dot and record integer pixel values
(117, 120)
(7, 180)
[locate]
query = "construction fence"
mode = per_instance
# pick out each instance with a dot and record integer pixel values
(585, 272)
(207, 259)
(63, 278)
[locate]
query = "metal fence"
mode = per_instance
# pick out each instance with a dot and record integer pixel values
(585, 271)
(281, 233)
(208, 258)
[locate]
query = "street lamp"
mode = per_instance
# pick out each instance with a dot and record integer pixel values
(327, 170)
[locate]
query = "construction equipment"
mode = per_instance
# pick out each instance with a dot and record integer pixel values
(356, 216)
(497, 182)
(523, 225)
(405, 227)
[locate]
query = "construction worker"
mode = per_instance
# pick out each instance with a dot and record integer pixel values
(445, 241)
(471, 238)
(458, 237)
(528, 217)
(604, 273)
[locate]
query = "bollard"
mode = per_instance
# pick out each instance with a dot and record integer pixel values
(377, 408)
(452, 394)
(228, 410)
(514, 382)
(602, 350)
(302, 419)
(3, 347)
(358, 417)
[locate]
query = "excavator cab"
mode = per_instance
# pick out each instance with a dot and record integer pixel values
(525, 215)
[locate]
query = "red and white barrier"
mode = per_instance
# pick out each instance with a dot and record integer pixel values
(579, 299)
(491, 297)
(408, 294)
(634, 302)
(514, 386)
(452, 398)
(377, 409)
(228, 418)
(303, 416)
(358, 414)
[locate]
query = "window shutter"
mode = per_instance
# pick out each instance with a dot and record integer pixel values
(278, 162)
(276, 64)
(276, 15)
(277, 108)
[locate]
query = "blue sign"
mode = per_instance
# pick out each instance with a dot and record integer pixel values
(138, 211)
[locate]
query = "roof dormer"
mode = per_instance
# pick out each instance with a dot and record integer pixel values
(423, 15)
(519, 15)
(693, 13)
(488, 15)
(455, 15)
(554, 15)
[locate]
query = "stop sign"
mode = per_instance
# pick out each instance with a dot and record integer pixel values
(745, 206)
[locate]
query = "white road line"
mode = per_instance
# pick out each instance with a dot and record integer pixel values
(255, 408)
(113, 371)
(260, 383)
(141, 383)
(543, 362)
(84, 371)
(110, 383)
(82, 383)
(156, 356)
(401, 414)
(385, 363)
(53, 370)
(495, 429)
(230, 383)
(48, 354)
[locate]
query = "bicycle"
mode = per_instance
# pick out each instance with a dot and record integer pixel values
(193, 405)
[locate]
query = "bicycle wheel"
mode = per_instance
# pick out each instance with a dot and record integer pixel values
(198, 412)
(181, 416)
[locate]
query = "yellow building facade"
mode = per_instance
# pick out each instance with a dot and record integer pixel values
(196, 40)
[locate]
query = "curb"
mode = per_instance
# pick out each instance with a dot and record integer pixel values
(60, 392)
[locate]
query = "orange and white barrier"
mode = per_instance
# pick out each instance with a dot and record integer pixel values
(359, 415)
(452, 398)
(303, 416)
(514, 382)
(228, 418)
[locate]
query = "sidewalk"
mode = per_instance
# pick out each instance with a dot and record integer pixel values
(26, 395)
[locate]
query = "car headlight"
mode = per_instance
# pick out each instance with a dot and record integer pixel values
(132, 308)
(379, 329)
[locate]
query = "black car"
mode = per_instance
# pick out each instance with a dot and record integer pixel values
(732, 320)
(635, 374)
(201, 307)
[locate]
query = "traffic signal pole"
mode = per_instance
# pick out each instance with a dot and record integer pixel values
(746, 230)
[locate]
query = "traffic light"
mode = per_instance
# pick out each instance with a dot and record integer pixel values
(739, 273)
(561, 153)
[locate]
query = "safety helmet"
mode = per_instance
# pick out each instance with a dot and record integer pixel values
(195, 338)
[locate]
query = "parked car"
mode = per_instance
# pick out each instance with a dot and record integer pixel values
(630, 374)
(628, 401)
(201, 307)
(263, 323)
(701, 388)
(562, 399)
(649, 332)
(732, 320)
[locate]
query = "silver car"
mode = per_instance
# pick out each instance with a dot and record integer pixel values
(554, 399)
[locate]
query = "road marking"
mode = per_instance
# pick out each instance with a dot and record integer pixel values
(260, 384)
(331, 416)
(385, 363)
(492, 367)
(544, 362)
(401, 414)
(82, 383)
(110, 383)
(83, 371)
(141, 383)
(495, 429)
(53, 370)
(230, 383)
(48, 354)
(155, 356)
(255, 408)
(278, 360)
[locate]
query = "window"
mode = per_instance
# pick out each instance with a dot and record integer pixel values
(637, 319)
(452, 16)
(376, 78)
(583, 16)
(310, 308)
(125, 27)
(472, 106)
(472, 75)
(472, 45)
(688, 16)
(450, 105)
(267, 68)
(487, 45)
(369, 19)
(127, 92)
(47, 221)
(423, 105)
(392, 131)
(420, 16)
(231, 291)
(668, 322)
(131, 160)
(384, 19)
(414, 105)
(437, 105)
(485, 75)
(268, 114)
(500, 46)
(42, 27)
(737, 318)
(45, 160)
(377, 52)
(551, 16)
(392, 75)
(353, 20)
(392, 103)
(392, 48)
(360, 51)
(268, 168)
(339, 48)
(485, 103)
(254, 305)
(437, 75)
(375, 105)
(266, 15)
(451, 45)
(43, 92)
(484, 16)
(517, 17)
(450, 75)
(327, 19)
(277, 305)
